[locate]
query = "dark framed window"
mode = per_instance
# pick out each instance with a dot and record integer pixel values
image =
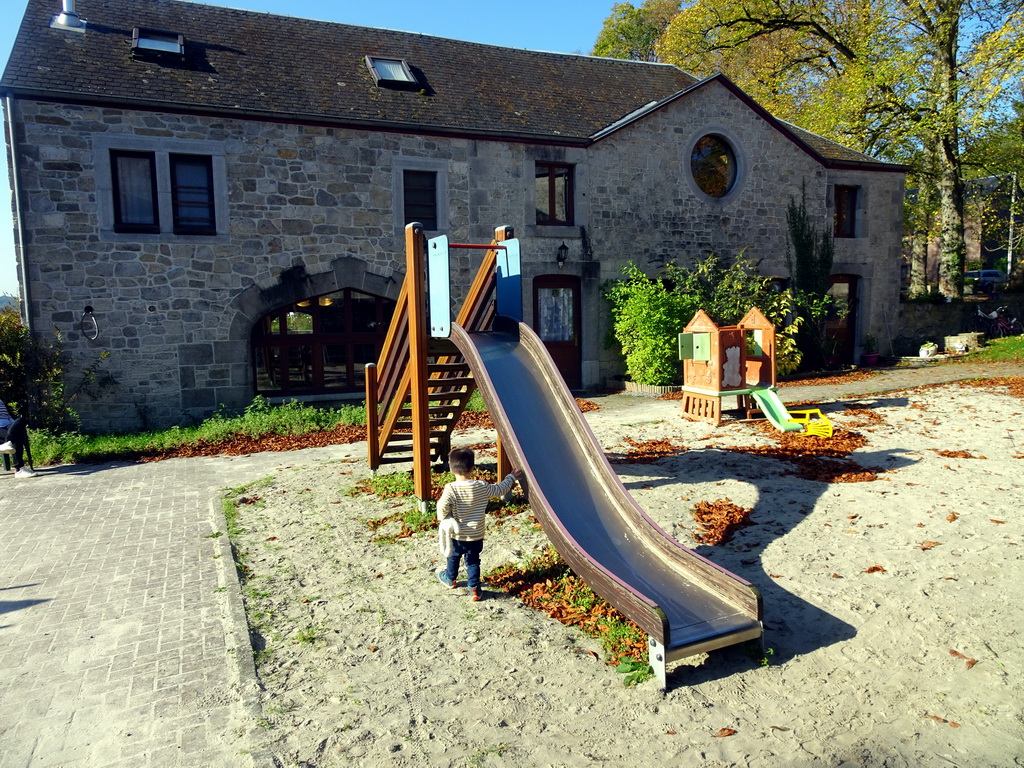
(713, 165)
(554, 192)
(192, 194)
(134, 186)
(321, 344)
(419, 198)
(845, 211)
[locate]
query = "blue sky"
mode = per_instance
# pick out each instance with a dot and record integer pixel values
(565, 26)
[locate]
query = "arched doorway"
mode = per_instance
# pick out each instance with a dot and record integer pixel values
(320, 344)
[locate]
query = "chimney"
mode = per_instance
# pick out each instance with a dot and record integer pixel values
(68, 19)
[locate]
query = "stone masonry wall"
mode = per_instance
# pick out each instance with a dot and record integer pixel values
(308, 210)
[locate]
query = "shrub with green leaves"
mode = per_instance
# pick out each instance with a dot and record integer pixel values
(648, 313)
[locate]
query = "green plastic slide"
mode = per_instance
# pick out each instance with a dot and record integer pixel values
(775, 411)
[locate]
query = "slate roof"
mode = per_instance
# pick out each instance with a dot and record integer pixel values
(281, 67)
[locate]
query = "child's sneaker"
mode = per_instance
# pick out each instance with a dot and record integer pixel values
(442, 576)
(26, 472)
(7, 447)
(478, 594)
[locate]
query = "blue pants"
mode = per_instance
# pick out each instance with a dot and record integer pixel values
(17, 434)
(471, 550)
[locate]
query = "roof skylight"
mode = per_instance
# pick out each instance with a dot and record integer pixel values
(390, 71)
(157, 42)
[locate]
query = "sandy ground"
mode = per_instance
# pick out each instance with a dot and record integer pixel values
(365, 660)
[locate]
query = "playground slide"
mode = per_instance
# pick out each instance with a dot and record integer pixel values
(684, 602)
(775, 411)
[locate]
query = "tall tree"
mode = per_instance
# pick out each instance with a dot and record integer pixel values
(633, 33)
(994, 165)
(905, 80)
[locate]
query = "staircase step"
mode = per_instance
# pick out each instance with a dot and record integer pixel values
(454, 381)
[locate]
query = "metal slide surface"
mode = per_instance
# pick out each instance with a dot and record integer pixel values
(676, 596)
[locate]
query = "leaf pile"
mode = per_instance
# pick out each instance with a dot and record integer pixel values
(244, 444)
(956, 454)
(815, 458)
(864, 416)
(646, 451)
(547, 584)
(718, 520)
(829, 381)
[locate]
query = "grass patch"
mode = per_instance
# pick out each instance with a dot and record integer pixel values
(1006, 350)
(406, 522)
(546, 583)
(259, 419)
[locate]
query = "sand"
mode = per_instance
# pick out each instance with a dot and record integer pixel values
(364, 659)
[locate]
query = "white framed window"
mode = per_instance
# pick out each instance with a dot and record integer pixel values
(420, 193)
(167, 190)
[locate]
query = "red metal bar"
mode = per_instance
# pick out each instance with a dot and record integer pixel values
(477, 246)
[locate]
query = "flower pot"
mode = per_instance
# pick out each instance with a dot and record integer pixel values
(869, 359)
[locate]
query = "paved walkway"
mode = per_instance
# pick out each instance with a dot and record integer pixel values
(122, 636)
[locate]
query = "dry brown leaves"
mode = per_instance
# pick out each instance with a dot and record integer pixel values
(586, 406)
(241, 445)
(826, 381)
(718, 520)
(956, 454)
(970, 662)
(475, 420)
(646, 451)
(815, 458)
(864, 416)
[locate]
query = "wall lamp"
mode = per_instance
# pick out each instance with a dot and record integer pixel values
(562, 254)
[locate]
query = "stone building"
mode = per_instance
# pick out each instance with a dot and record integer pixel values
(218, 196)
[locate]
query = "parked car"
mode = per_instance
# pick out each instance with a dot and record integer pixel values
(986, 280)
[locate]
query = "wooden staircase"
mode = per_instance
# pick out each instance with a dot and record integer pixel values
(420, 386)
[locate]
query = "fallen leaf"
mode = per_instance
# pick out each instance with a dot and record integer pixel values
(836, 576)
(998, 522)
(926, 545)
(373, 649)
(950, 723)
(272, 538)
(779, 728)
(723, 732)
(671, 733)
(952, 516)
(875, 569)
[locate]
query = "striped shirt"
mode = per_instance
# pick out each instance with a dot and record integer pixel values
(5, 416)
(466, 501)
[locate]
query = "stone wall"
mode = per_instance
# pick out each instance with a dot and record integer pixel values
(920, 322)
(306, 210)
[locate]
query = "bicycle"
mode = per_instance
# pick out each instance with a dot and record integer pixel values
(995, 324)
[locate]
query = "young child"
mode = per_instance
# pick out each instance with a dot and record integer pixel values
(465, 500)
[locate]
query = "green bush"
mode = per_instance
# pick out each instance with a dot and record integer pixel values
(648, 313)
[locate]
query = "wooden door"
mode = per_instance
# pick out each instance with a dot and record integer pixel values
(556, 319)
(840, 331)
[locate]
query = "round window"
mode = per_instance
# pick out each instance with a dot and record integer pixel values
(713, 165)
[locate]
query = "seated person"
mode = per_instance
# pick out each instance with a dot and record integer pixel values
(13, 432)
